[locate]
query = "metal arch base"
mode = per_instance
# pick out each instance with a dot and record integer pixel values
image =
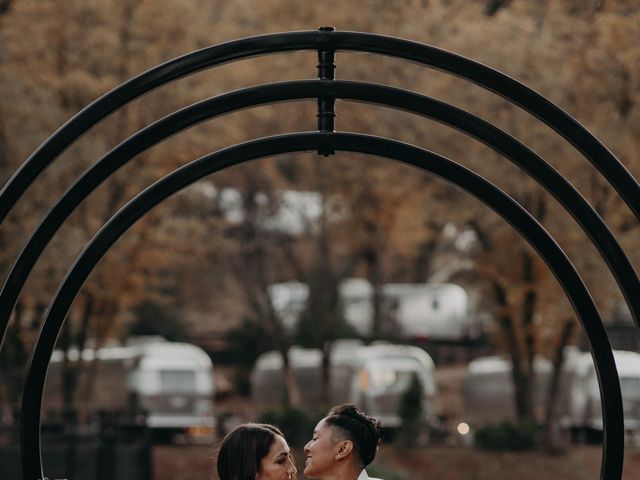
(487, 193)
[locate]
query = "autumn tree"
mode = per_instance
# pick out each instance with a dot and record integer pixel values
(55, 62)
(83, 49)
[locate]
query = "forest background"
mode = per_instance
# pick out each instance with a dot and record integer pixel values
(189, 268)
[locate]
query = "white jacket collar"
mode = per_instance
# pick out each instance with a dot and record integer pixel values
(363, 475)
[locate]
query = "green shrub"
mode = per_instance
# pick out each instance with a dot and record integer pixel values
(508, 436)
(247, 342)
(411, 413)
(297, 425)
(154, 318)
(380, 471)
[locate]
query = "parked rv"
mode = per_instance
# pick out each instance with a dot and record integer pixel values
(437, 311)
(267, 379)
(488, 393)
(374, 377)
(380, 374)
(434, 311)
(172, 383)
(582, 408)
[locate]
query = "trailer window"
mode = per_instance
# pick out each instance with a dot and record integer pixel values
(381, 379)
(178, 380)
(391, 380)
(630, 387)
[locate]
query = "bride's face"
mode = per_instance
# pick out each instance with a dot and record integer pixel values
(278, 463)
(321, 452)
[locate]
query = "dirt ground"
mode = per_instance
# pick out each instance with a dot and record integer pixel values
(441, 463)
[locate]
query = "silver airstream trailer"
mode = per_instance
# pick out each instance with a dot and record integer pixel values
(381, 374)
(172, 383)
(434, 311)
(582, 408)
(267, 379)
(488, 393)
(374, 377)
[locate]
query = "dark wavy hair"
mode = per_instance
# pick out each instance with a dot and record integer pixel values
(243, 449)
(355, 425)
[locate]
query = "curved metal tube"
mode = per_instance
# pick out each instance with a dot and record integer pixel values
(147, 81)
(482, 75)
(487, 193)
(467, 123)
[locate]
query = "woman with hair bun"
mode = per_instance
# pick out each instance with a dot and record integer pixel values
(343, 444)
(255, 451)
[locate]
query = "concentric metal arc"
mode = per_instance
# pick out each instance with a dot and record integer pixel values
(486, 192)
(327, 41)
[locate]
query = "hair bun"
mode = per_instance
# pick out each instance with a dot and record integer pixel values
(353, 411)
(365, 431)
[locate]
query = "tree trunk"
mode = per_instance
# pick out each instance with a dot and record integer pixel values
(14, 357)
(326, 373)
(5, 5)
(372, 265)
(293, 397)
(330, 315)
(69, 387)
(550, 439)
(521, 380)
(528, 310)
(69, 370)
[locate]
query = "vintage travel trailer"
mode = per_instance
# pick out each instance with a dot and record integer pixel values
(171, 383)
(434, 311)
(379, 376)
(488, 390)
(267, 379)
(488, 393)
(582, 408)
(374, 377)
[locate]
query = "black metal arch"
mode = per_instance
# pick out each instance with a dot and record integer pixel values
(486, 192)
(495, 138)
(326, 40)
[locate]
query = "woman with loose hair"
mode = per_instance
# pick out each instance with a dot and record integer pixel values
(343, 444)
(255, 451)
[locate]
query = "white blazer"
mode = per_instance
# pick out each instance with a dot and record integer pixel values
(363, 476)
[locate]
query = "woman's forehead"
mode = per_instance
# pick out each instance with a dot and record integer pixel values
(325, 429)
(322, 425)
(279, 445)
